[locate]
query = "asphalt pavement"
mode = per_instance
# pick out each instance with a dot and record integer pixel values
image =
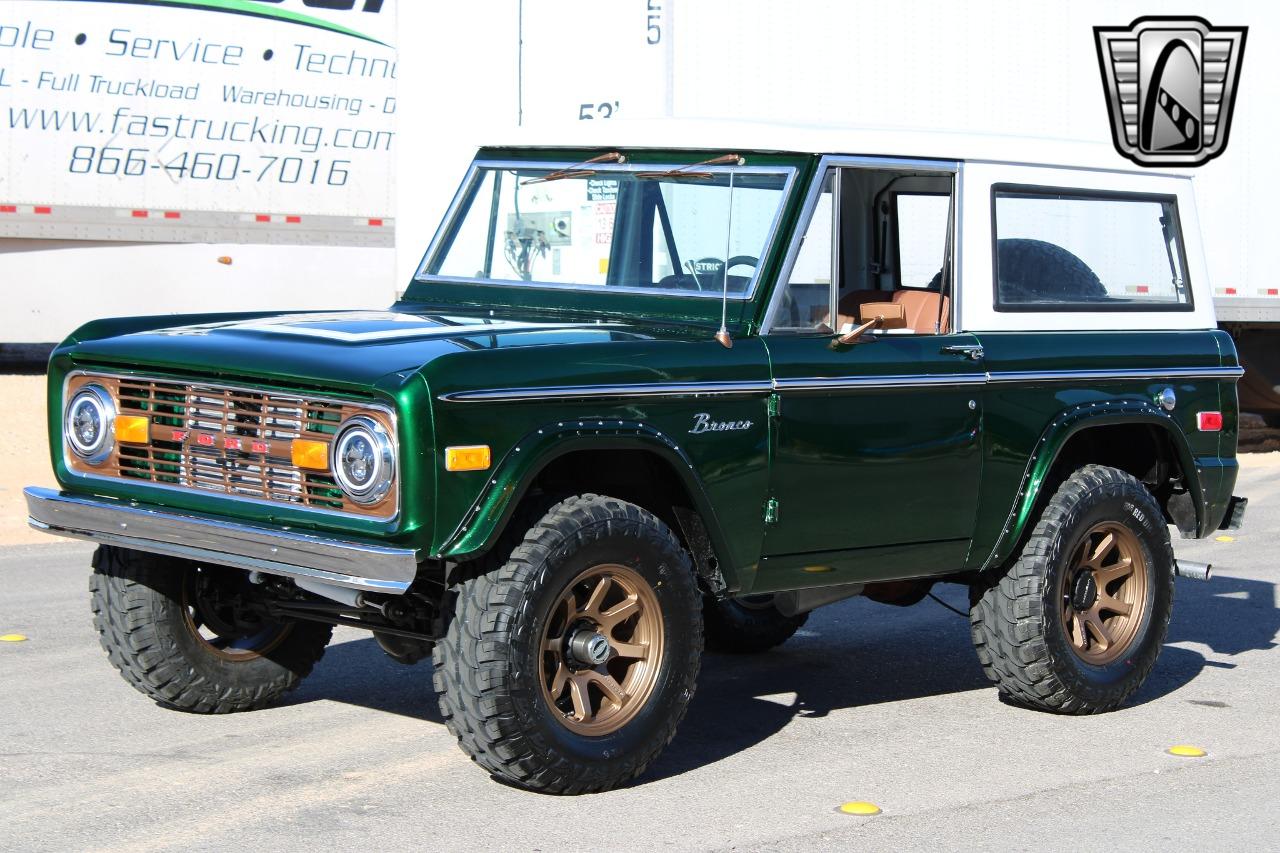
(869, 702)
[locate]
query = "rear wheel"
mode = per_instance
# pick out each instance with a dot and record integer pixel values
(567, 668)
(193, 637)
(1076, 623)
(748, 625)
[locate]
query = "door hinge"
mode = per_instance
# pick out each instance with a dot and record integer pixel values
(771, 511)
(775, 405)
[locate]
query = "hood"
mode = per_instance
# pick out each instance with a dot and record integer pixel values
(348, 348)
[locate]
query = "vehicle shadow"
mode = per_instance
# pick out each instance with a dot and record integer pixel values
(853, 654)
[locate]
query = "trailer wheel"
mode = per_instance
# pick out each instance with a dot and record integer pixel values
(567, 668)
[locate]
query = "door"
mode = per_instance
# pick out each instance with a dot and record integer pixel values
(876, 454)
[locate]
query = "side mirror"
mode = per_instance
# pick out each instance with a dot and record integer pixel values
(876, 315)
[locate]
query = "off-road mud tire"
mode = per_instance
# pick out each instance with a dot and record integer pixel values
(737, 628)
(1033, 271)
(141, 623)
(488, 664)
(1016, 620)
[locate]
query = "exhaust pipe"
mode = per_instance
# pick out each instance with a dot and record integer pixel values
(1194, 571)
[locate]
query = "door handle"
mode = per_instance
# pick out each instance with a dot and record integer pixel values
(970, 351)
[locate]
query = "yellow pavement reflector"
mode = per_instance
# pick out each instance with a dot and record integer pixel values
(1185, 751)
(133, 429)
(12, 638)
(1224, 538)
(859, 807)
(471, 457)
(310, 454)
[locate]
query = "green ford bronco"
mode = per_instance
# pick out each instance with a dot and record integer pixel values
(644, 397)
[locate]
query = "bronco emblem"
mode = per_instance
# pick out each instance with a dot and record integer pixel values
(702, 423)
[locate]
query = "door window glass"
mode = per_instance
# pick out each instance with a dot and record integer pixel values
(807, 299)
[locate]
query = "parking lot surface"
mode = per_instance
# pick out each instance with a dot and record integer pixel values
(869, 702)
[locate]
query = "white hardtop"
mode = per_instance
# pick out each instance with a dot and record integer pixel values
(735, 136)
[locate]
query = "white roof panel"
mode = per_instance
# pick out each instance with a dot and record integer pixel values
(730, 136)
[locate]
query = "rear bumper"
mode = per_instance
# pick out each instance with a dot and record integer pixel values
(357, 565)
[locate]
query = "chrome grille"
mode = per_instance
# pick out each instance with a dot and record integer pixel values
(231, 441)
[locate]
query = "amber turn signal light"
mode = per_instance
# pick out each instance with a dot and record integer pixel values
(133, 429)
(472, 457)
(310, 454)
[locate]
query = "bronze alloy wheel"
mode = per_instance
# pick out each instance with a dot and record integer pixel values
(602, 650)
(1104, 593)
(217, 623)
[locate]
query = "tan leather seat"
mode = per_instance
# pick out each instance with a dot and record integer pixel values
(922, 310)
(921, 307)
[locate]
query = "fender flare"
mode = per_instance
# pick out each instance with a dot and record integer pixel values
(510, 479)
(1070, 422)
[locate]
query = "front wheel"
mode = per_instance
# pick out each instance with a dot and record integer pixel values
(1075, 625)
(192, 637)
(567, 669)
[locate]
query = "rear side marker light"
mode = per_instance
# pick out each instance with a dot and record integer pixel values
(310, 454)
(1209, 421)
(133, 429)
(474, 457)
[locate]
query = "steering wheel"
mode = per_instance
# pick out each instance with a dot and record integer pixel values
(714, 269)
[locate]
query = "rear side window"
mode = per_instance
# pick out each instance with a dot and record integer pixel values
(1087, 252)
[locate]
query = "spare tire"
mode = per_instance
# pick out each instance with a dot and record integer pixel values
(1033, 271)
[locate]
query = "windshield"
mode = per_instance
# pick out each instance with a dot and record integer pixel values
(650, 229)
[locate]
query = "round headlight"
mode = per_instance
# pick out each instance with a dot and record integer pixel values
(363, 460)
(89, 424)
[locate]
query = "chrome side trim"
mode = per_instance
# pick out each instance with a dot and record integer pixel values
(575, 392)
(374, 568)
(1023, 376)
(923, 380)
(828, 383)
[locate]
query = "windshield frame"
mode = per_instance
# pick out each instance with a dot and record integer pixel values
(471, 182)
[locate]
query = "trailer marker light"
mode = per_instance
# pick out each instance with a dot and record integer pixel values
(1209, 421)
(472, 457)
(42, 210)
(141, 214)
(8, 208)
(133, 429)
(172, 214)
(310, 454)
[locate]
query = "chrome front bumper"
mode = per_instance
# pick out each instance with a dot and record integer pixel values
(373, 568)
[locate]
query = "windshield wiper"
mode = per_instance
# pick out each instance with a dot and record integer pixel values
(683, 171)
(577, 171)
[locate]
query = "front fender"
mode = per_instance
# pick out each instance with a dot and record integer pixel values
(485, 520)
(1068, 423)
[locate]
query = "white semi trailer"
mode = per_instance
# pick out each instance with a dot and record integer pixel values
(202, 155)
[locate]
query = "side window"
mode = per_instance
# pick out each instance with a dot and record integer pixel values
(806, 302)
(921, 238)
(1056, 251)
